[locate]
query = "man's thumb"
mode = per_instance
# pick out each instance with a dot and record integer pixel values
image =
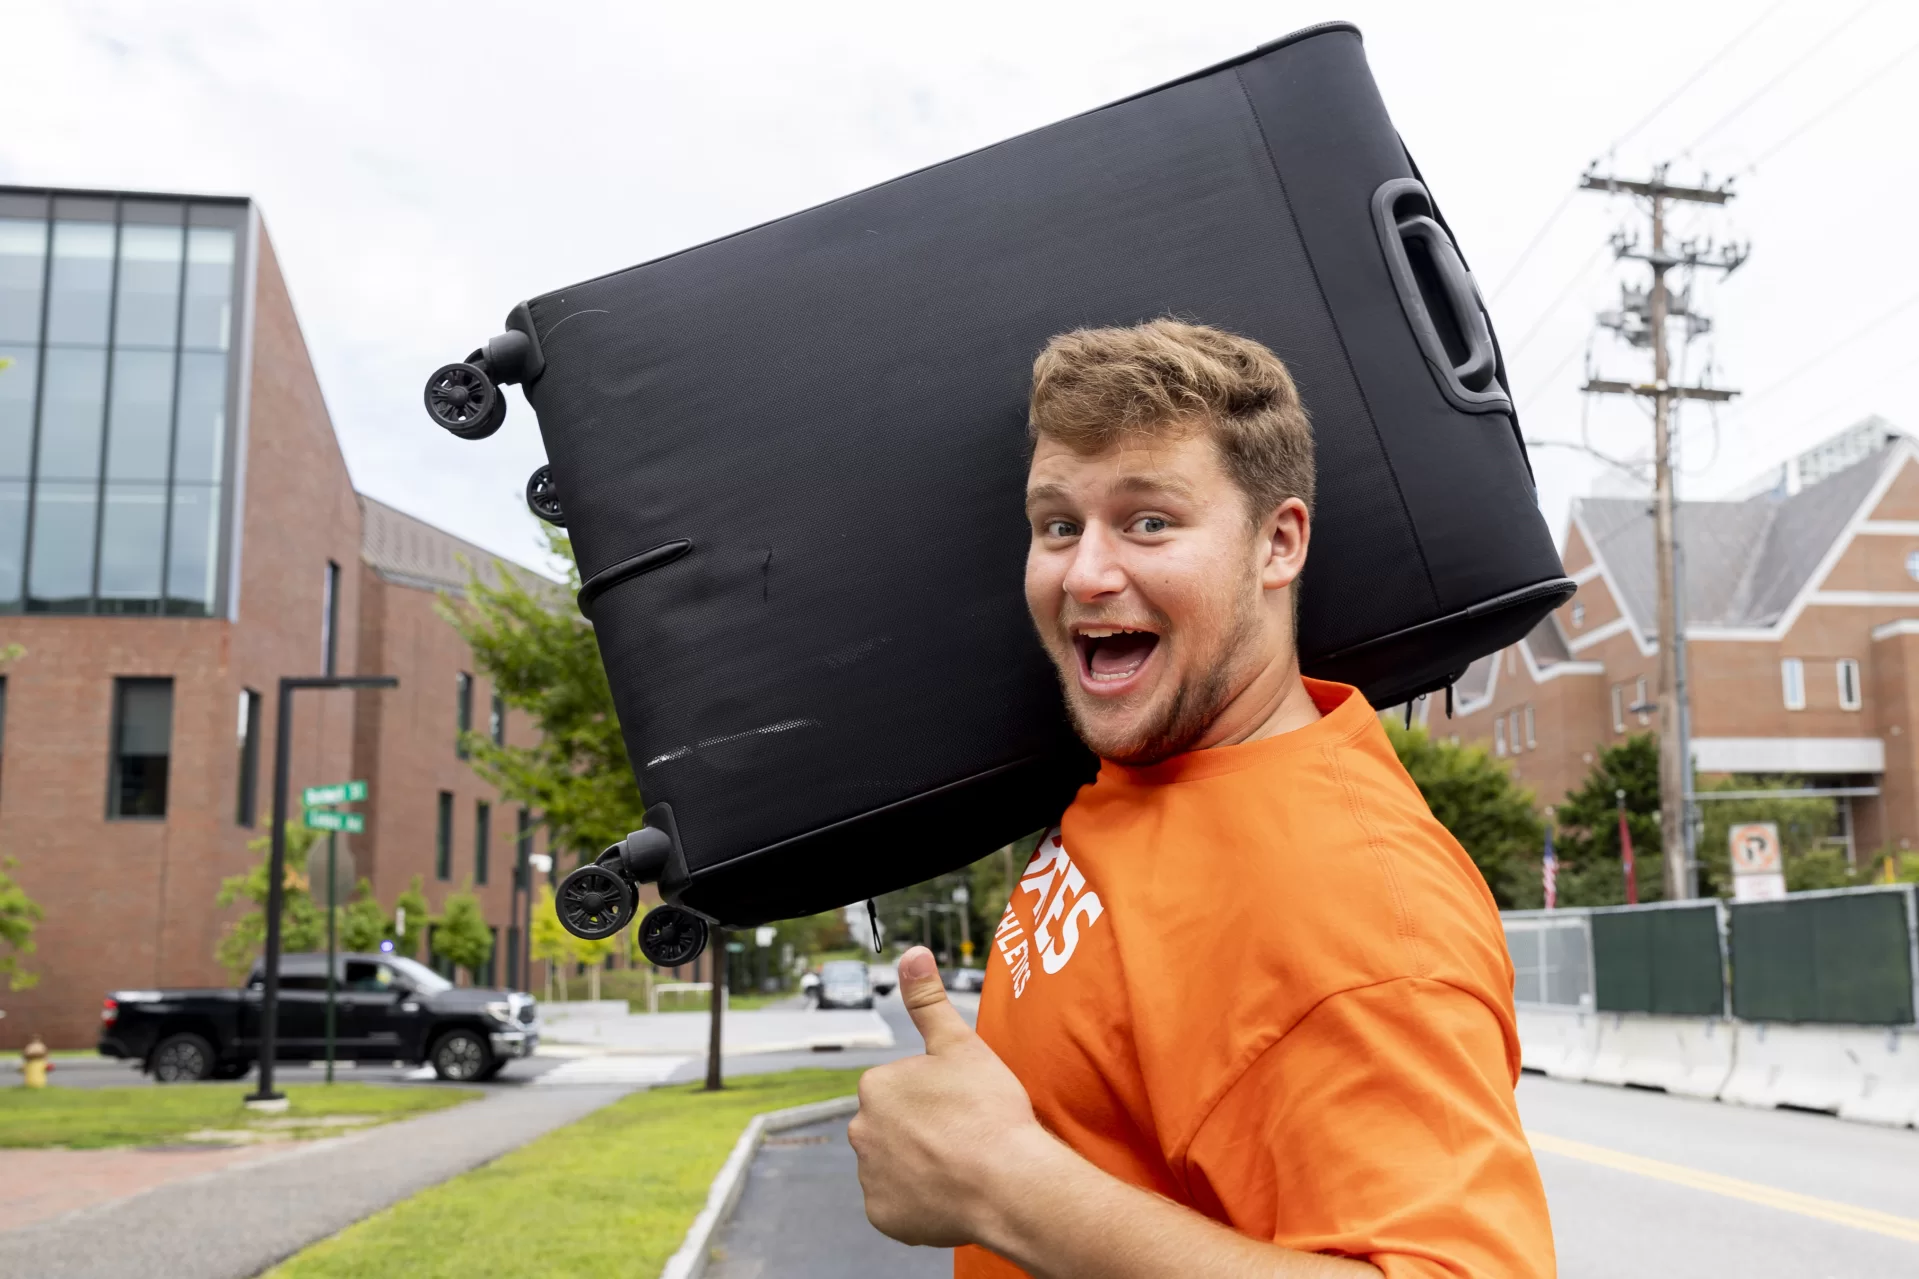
(939, 1023)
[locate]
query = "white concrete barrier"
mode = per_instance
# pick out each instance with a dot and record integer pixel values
(1691, 1056)
(1557, 1041)
(1865, 1073)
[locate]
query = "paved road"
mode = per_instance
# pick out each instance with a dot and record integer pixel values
(801, 1217)
(1639, 1184)
(1642, 1184)
(239, 1221)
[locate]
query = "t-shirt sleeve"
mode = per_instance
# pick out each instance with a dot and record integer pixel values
(1382, 1126)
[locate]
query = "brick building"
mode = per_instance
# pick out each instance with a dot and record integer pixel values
(177, 532)
(1801, 602)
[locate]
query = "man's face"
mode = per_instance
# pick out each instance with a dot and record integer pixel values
(1155, 594)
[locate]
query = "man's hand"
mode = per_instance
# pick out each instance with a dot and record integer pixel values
(931, 1129)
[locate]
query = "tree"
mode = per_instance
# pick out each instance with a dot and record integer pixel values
(593, 954)
(1590, 869)
(460, 934)
(550, 940)
(1804, 826)
(363, 925)
(543, 659)
(302, 924)
(1474, 796)
(19, 914)
(409, 921)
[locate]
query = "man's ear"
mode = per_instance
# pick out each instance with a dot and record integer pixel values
(1283, 539)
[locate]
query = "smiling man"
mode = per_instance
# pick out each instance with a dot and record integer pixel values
(1249, 1010)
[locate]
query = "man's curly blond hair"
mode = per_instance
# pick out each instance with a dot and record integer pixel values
(1094, 388)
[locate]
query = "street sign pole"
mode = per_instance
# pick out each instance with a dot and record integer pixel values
(332, 945)
(277, 860)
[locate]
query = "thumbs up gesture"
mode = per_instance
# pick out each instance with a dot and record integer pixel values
(931, 1130)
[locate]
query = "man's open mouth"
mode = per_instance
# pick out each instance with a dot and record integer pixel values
(1112, 655)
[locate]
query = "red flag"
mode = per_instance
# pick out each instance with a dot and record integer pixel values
(1625, 854)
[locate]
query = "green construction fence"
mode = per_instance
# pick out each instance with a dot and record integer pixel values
(1659, 958)
(1844, 956)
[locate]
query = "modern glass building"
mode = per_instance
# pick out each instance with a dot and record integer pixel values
(121, 319)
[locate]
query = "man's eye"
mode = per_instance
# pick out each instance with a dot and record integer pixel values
(1059, 528)
(1151, 524)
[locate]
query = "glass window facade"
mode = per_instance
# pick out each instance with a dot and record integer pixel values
(247, 744)
(482, 839)
(117, 326)
(443, 838)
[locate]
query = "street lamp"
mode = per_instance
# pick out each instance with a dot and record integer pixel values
(277, 863)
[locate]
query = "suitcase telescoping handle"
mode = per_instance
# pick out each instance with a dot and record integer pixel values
(1439, 297)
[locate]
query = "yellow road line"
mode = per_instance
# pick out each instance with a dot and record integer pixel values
(1882, 1223)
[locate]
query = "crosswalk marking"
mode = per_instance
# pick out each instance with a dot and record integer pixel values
(636, 1071)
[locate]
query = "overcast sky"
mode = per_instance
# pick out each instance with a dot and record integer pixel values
(423, 166)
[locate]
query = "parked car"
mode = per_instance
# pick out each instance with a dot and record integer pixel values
(973, 979)
(845, 983)
(386, 1009)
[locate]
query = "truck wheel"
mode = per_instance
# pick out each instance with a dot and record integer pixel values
(460, 1056)
(181, 1059)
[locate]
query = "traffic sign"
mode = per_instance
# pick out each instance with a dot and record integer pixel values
(335, 793)
(1757, 872)
(327, 819)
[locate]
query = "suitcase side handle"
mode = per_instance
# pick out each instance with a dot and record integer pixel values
(1439, 297)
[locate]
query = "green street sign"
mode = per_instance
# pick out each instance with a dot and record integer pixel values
(337, 793)
(326, 819)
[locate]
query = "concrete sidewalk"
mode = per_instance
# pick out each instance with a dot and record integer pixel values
(237, 1221)
(765, 1030)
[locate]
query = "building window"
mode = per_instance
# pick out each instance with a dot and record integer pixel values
(247, 742)
(1512, 730)
(330, 619)
(115, 417)
(1848, 684)
(443, 839)
(489, 975)
(482, 836)
(1639, 699)
(463, 713)
(1912, 565)
(1532, 742)
(1792, 678)
(3, 710)
(1579, 616)
(142, 743)
(1499, 736)
(1618, 708)
(496, 721)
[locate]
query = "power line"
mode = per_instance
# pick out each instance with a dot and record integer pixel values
(1862, 331)
(1773, 83)
(1694, 78)
(1838, 102)
(1512, 272)
(1551, 307)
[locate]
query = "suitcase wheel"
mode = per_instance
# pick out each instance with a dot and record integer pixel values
(464, 400)
(595, 902)
(543, 497)
(670, 936)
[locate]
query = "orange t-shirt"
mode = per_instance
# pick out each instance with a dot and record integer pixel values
(1264, 982)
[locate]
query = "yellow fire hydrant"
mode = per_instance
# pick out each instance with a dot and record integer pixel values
(33, 1063)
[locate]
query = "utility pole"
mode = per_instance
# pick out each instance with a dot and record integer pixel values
(1642, 321)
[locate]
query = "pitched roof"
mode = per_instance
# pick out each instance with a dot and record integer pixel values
(1744, 562)
(1545, 643)
(408, 551)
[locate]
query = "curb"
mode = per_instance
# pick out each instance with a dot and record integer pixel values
(696, 1250)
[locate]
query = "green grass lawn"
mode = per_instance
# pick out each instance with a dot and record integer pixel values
(85, 1118)
(611, 1194)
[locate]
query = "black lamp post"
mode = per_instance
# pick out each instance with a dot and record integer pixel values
(277, 864)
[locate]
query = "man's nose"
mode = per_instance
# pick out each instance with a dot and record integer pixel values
(1095, 570)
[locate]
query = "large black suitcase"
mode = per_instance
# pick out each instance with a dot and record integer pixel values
(791, 461)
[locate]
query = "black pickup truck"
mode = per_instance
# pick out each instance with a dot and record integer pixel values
(386, 1009)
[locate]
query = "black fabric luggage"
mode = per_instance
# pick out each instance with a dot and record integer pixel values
(791, 461)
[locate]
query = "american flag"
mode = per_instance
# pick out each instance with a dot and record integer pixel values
(1550, 872)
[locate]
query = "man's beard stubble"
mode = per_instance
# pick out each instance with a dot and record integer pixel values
(1195, 704)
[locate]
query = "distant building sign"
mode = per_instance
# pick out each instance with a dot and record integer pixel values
(1758, 871)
